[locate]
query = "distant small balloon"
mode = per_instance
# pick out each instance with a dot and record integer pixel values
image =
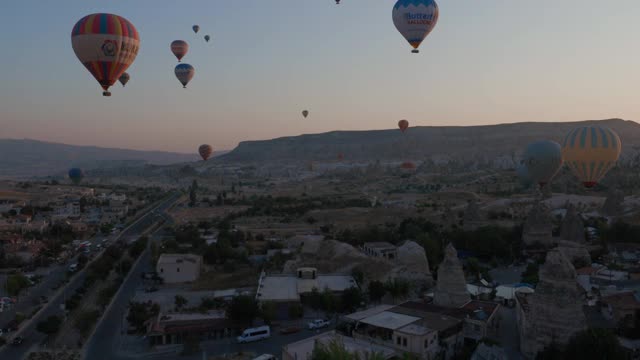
(184, 73)
(76, 175)
(124, 79)
(179, 48)
(305, 113)
(403, 125)
(195, 28)
(205, 151)
(207, 38)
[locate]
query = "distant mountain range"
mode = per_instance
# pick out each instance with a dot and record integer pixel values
(465, 143)
(25, 158)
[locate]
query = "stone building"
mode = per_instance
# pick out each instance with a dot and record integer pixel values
(451, 287)
(538, 228)
(553, 314)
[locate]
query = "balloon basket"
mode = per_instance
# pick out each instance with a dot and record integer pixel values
(415, 51)
(106, 93)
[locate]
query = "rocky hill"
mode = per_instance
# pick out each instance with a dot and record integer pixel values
(23, 158)
(466, 143)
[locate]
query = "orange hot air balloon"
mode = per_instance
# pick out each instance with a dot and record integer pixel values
(340, 156)
(107, 45)
(205, 151)
(403, 125)
(179, 48)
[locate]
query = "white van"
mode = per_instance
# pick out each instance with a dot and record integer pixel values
(266, 357)
(255, 334)
(73, 267)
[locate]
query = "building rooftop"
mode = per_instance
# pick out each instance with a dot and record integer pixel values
(626, 300)
(302, 350)
(389, 320)
(278, 288)
(176, 258)
(357, 316)
(415, 329)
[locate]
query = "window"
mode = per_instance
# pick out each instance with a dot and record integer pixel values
(398, 340)
(161, 269)
(426, 343)
(177, 269)
(404, 341)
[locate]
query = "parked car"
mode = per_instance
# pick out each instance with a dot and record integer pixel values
(255, 334)
(18, 340)
(73, 267)
(318, 324)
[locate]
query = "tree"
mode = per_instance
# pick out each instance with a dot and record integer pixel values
(376, 290)
(296, 311)
(85, 320)
(314, 299)
(180, 301)
(594, 344)
(329, 301)
(50, 325)
(243, 309)
(530, 275)
(351, 299)
(16, 283)
(397, 288)
(268, 312)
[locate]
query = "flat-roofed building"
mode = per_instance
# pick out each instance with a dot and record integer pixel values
(179, 268)
(303, 349)
(168, 329)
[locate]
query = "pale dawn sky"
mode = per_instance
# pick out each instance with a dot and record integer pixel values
(486, 62)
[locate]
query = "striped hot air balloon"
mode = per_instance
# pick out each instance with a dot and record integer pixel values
(179, 48)
(205, 151)
(590, 152)
(107, 45)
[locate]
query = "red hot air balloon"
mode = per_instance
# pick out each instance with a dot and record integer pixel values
(205, 151)
(179, 48)
(107, 45)
(403, 125)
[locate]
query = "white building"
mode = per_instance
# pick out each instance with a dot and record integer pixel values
(179, 268)
(303, 349)
(289, 288)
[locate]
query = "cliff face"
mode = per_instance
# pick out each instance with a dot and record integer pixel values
(498, 144)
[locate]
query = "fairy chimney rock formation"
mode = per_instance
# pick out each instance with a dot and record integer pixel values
(538, 228)
(572, 228)
(451, 287)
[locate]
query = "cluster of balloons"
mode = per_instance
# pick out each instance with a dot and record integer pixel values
(180, 48)
(589, 151)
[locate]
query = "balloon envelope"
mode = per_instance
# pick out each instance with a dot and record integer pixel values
(590, 152)
(205, 151)
(305, 113)
(124, 78)
(403, 125)
(542, 159)
(179, 48)
(184, 73)
(207, 38)
(76, 175)
(106, 45)
(415, 19)
(523, 175)
(195, 28)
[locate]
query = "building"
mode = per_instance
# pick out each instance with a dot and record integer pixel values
(303, 349)
(382, 250)
(489, 352)
(169, 329)
(621, 308)
(178, 268)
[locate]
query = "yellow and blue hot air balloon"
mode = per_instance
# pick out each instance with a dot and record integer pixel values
(542, 159)
(590, 152)
(415, 19)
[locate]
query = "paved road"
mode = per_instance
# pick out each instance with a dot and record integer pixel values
(29, 332)
(104, 342)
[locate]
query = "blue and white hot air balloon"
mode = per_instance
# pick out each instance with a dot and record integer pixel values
(415, 19)
(543, 159)
(184, 73)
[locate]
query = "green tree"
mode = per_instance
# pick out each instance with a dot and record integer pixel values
(85, 321)
(296, 311)
(268, 312)
(351, 299)
(397, 288)
(50, 325)
(16, 283)
(329, 301)
(180, 301)
(530, 275)
(314, 299)
(376, 290)
(243, 309)
(335, 350)
(594, 344)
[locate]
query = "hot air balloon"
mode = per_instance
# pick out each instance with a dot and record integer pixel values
(403, 125)
(107, 45)
(205, 151)
(207, 38)
(124, 78)
(195, 28)
(305, 113)
(76, 175)
(179, 48)
(408, 165)
(340, 156)
(184, 73)
(590, 152)
(542, 159)
(415, 19)
(337, 2)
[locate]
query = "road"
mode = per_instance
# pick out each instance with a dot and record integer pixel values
(106, 339)
(29, 332)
